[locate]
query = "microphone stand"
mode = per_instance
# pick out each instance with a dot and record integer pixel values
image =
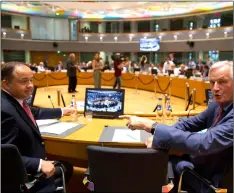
(155, 87)
(136, 92)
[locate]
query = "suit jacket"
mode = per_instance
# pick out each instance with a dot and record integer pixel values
(17, 128)
(71, 69)
(210, 151)
(57, 68)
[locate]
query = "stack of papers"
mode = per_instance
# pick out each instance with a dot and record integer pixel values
(52, 126)
(46, 122)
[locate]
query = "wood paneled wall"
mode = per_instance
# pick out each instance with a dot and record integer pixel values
(51, 57)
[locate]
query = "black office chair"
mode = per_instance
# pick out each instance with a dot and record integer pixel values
(14, 176)
(226, 180)
(127, 170)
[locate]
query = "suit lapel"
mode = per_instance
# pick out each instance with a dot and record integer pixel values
(22, 113)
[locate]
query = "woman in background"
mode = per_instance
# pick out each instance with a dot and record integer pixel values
(143, 65)
(97, 66)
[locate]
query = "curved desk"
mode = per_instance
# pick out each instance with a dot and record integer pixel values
(144, 82)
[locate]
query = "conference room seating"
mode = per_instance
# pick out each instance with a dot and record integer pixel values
(128, 170)
(226, 180)
(14, 177)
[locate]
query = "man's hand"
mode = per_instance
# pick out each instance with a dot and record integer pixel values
(47, 167)
(69, 110)
(149, 142)
(138, 123)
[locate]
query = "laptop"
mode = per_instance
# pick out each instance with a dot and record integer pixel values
(189, 73)
(104, 103)
(154, 71)
(30, 100)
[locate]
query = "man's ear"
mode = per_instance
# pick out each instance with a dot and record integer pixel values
(5, 84)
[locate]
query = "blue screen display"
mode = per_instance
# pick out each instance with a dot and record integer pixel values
(152, 44)
(104, 101)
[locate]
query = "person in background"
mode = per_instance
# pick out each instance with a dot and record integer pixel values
(143, 64)
(119, 63)
(97, 66)
(191, 64)
(200, 64)
(19, 127)
(46, 64)
(175, 70)
(209, 62)
(206, 140)
(72, 68)
(167, 65)
(41, 67)
(171, 57)
(182, 69)
(205, 71)
(59, 67)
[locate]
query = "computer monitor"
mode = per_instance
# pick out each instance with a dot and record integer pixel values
(30, 100)
(189, 73)
(170, 72)
(104, 103)
(154, 71)
(136, 70)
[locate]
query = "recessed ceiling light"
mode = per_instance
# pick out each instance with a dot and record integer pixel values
(4, 33)
(115, 38)
(86, 37)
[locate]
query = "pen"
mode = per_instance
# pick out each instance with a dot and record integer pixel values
(131, 137)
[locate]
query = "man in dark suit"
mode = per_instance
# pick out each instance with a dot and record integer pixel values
(209, 152)
(71, 73)
(59, 67)
(18, 125)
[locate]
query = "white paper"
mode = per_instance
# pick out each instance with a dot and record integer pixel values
(80, 105)
(44, 122)
(125, 135)
(57, 128)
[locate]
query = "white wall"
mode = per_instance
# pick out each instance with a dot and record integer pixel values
(19, 21)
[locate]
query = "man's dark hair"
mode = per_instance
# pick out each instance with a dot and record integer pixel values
(8, 68)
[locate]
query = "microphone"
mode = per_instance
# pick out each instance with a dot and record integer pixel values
(50, 100)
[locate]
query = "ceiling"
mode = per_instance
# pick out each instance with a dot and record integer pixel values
(112, 10)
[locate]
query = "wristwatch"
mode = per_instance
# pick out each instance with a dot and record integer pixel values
(153, 128)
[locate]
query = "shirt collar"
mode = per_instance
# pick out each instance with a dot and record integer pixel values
(226, 107)
(19, 100)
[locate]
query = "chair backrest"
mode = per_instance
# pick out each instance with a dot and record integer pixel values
(13, 171)
(127, 170)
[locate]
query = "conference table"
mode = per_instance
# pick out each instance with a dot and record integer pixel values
(72, 147)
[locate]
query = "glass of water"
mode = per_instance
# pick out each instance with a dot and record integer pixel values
(89, 116)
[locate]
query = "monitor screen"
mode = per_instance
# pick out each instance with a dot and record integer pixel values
(104, 101)
(209, 95)
(189, 73)
(152, 44)
(30, 100)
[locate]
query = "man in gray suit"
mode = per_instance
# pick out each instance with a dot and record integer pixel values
(71, 73)
(209, 153)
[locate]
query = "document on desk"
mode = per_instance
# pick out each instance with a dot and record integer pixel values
(46, 122)
(125, 135)
(57, 128)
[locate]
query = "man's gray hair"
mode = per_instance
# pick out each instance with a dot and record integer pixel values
(221, 64)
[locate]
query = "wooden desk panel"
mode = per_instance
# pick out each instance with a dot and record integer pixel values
(144, 82)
